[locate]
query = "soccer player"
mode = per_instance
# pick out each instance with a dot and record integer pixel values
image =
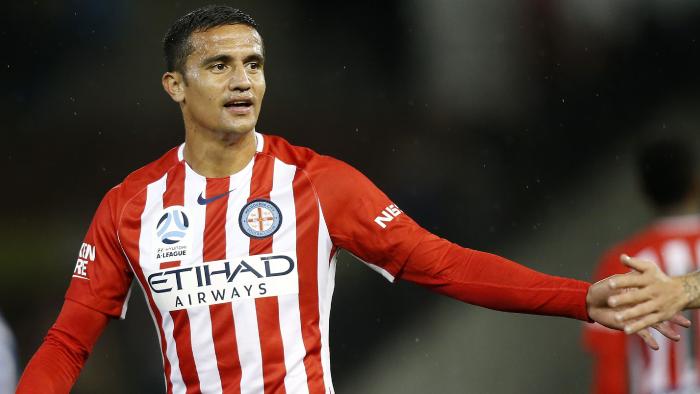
(669, 180)
(233, 235)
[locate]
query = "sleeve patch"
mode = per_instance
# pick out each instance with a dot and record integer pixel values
(387, 215)
(85, 255)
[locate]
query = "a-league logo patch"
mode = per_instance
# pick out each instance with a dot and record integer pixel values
(172, 226)
(260, 219)
(172, 235)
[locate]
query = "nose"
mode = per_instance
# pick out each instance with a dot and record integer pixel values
(239, 79)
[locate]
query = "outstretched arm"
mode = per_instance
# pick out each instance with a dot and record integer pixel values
(357, 211)
(54, 368)
(653, 296)
(494, 282)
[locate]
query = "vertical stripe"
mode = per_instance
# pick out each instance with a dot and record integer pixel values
(223, 329)
(199, 317)
(307, 227)
(635, 366)
(326, 285)
(244, 316)
(267, 308)
(677, 259)
(133, 231)
(175, 195)
(286, 240)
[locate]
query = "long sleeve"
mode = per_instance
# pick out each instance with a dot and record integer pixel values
(364, 221)
(57, 363)
(492, 281)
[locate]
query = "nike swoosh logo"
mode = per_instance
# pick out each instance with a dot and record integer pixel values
(204, 201)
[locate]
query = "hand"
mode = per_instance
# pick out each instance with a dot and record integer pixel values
(656, 297)
(601, 312)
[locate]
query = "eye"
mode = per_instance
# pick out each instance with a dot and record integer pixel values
(254, 66)
(218, 67)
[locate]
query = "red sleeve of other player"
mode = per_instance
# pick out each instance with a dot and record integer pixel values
(55, 367)
(364, 221)
(101, 277)
(609, 347)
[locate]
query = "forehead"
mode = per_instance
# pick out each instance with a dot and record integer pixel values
(229, 39)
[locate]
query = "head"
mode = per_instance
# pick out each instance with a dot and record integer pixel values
(669, 176)
(215, 58)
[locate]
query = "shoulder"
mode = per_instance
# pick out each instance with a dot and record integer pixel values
(318, 167)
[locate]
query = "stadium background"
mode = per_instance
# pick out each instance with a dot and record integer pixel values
(507, 126)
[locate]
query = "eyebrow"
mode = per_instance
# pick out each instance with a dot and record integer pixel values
(227, 58)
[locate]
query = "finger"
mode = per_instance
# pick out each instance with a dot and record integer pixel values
(630, 279)
(636, 312)
(638, 265)
(648, 339)
(667, 331)
(633, 297)
(642, 323)
(680, 320)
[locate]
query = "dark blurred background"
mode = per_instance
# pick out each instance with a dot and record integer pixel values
(508, 126)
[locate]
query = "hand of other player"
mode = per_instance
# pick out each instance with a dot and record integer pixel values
(653, 297)
(600, 311)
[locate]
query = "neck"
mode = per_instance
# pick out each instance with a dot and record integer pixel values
(218, 155)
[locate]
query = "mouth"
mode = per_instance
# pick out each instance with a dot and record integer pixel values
(239, 106)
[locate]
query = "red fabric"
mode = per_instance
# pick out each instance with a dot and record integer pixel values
(54, 368)
(307, 250)
(612, 371)
(267, 308)
(350, 204)
(359, 218)
(610, 360)
(491, 281)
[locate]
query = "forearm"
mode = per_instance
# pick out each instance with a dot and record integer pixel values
(691, 288)
(493, 282)
(55, 367)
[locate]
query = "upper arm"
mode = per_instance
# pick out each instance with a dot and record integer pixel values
(361, 218)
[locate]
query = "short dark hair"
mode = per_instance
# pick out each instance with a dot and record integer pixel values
(667, 169)
(176, 43)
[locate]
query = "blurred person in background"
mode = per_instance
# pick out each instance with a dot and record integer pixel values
(233, 237)
(8, 359)
(668, 175)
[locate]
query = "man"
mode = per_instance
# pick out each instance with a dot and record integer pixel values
(669, 180)
(233, 237)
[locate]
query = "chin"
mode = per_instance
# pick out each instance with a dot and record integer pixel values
(239, 128)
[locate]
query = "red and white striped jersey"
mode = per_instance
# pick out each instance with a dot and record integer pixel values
(623, 364)
(238, 272)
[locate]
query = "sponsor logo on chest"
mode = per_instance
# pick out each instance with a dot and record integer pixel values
(224, 281)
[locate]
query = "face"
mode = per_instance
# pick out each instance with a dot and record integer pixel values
(224, 83)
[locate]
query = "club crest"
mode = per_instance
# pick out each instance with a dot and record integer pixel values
(260, 219)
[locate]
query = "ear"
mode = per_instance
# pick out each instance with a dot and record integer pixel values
(174, 84)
